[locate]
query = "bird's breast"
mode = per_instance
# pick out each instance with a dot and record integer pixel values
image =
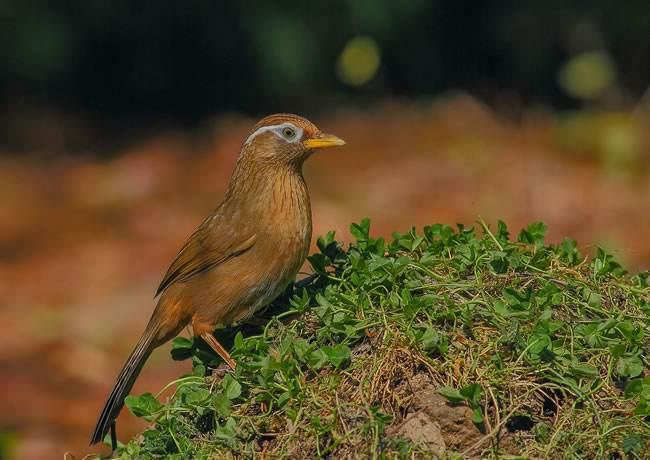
(284, 237)
(289, 228)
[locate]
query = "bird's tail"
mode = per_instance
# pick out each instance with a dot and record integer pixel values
(126, 379)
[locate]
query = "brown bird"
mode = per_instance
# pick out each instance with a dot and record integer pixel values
(242, 256)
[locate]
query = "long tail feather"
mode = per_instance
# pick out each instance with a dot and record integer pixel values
(125, 381)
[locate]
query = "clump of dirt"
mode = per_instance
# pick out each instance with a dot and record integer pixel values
(408, 390)
(455, 420)
(422, 431)
(430, 421)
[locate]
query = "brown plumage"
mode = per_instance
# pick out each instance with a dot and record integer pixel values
(242, 256)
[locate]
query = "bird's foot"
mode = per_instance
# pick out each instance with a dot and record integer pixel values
(219, 349)
(219, 372)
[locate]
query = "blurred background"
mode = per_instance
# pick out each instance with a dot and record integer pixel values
(120, 123)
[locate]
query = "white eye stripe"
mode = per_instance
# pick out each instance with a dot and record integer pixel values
(277, 130)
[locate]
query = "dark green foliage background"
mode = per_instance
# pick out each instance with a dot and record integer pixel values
(186, 60)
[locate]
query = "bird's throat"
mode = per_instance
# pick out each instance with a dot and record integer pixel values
(260, 187)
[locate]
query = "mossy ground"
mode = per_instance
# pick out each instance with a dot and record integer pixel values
(534, 351)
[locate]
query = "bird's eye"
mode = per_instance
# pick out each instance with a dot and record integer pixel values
(288, 133)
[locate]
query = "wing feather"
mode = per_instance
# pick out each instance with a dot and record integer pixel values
(205, 249)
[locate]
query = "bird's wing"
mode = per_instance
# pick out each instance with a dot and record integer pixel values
(205, 249)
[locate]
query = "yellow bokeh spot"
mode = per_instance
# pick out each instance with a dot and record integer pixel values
(359, 61)
(588, 75)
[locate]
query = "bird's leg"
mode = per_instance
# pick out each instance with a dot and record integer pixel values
(219, 349)
(113, 437)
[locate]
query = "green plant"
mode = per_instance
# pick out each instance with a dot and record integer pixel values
(548, 349)
(471, 394)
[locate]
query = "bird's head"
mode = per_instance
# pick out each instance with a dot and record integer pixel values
(286, 139)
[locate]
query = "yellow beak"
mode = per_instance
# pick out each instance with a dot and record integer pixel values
(323, 141)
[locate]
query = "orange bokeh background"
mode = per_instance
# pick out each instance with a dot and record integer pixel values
(84, 241)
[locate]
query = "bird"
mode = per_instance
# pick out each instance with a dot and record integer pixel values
(241, 257)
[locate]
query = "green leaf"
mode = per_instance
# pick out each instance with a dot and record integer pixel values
(198, 367)
(542, 432)
(337, 355)
(568, 251)
(630, 366)
(194, 395)
(604, 264)
(432, 340)
(583, 370)
(501, 309)
(238, 342)
(322, 301)
(534, 234)
(499, 262)
(361, 231)
(633, 444)
(592, 298)
(452, 394)
(502, 233)
(318, 262)
(300, 348)
(182, 348)
(227, 432)
(638, 387)
(477, 415)
(317, 358)
(643, 407)
(541, 259)
(324, 242)
(231, 387)
(473, 393)
(284, 398)
(539, 346)
(144, 405)
(221, 404)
